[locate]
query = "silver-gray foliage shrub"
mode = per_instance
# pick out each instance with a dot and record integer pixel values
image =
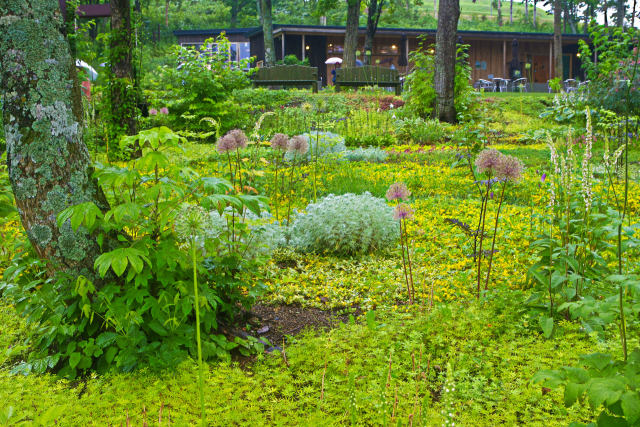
(322, 144)
(370, 154)
(345, 225)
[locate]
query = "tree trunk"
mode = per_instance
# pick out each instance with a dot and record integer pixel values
(166, 13)
(511, 12)
(121, 84)
(435, 9)
(621, 9)
(535, 13)
(48, 163)
(557, 38)
(373, 17)
(445, 60)
(500, 13)
(633, 14)
(233, 22)
(526, 11)
(605, 10)
(351, 33)
(267, 30)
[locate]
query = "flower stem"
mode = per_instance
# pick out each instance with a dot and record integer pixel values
(495, 232)
(197, 307)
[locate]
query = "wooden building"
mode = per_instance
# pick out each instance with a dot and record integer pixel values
(491, 53)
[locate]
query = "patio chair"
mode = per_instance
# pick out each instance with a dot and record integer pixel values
(570, 85)
(502, 85)
(522, 83)
(486, 85)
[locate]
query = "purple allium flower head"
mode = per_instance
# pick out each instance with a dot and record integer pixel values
(239, 137)
(298, 145)
(279, 141)
(164, 110)
(543, 177)
(491, 195)
(153, 112)
(398, 191)
(403, 211)
(226, 144)
(509, 168)
(488, 160)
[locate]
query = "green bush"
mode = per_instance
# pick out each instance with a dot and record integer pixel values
(321, 144)
(138, 308)
(419, 131)
(345, 225)
(199, 85)
(420, 94)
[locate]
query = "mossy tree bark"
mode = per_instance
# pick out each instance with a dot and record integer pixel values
(445, 61)
(48, 163)
(351, 33)
(267, 30)
(121, 84)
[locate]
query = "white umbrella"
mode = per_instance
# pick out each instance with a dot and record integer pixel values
(93, 74)
(333, 61)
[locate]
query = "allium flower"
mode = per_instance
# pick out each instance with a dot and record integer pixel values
(153, 112)
(298, 145)
(225, 144)
(543, 177)
(279, 141)
(164, 110)
(239, 137)
(397, 191)
(509, 168)
(487, 160)
(191, 222)
(306, 107)
(403, 211)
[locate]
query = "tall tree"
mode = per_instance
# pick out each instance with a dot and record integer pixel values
(266, 17)
(373, 17)
(351, 33)
(526, 11)
(122, 92)
(48, 163)
(535, 13)
(236, 7)
(445, 60)
(500, 13)
(621, 11)
(557, 38)
(511, 11)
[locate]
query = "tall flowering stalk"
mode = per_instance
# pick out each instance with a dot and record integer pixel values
(486, 162)
(190, 225)
(508, 169)
(279, 143)
(233, 140)
(298, 146)
(402, 213)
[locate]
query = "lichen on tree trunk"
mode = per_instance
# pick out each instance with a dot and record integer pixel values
(48, 163)
(445, 61)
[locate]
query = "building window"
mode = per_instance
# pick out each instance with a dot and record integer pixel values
(237, 50)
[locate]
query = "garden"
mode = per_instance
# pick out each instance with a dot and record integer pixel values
(282, 257)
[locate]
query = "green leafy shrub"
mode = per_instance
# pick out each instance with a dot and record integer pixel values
(345, 225)
(369, 154)
(137, 309)
(420, 93)
(419, 131)
(199, 85)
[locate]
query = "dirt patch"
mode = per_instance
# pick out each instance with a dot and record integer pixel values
(276, 322)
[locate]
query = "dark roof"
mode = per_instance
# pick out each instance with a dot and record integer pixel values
(335, 29)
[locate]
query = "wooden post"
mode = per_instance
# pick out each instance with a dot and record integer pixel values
(304, 45)
(282, 46)
(504, 59)
(406, 51)
(550, 58)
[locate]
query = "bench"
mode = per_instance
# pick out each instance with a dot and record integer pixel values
(287, 75)
(368, 75)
